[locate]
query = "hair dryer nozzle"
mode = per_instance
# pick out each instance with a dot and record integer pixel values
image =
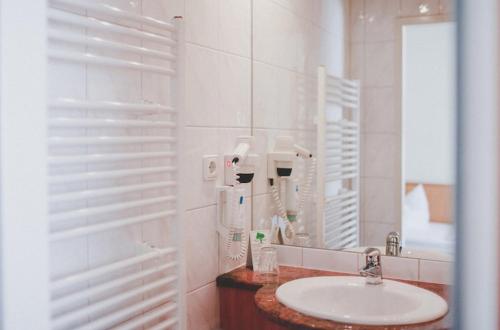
(302, 152)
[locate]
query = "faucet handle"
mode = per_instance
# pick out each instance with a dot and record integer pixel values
(373, 268)
(372, 257)
(393, 244)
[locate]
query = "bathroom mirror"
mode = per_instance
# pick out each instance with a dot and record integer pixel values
(388, 70)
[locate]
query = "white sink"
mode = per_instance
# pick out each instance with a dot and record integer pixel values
(348, 299)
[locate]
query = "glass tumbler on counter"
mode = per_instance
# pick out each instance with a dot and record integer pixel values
(302, 239)
(268, 268)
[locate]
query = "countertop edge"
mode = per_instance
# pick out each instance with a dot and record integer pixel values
(269, 308)
(225, 281)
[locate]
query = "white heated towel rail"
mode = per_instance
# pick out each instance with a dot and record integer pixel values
(338, 161)
(112, 146)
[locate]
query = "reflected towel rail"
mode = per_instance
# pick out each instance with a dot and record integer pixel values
(338, 140)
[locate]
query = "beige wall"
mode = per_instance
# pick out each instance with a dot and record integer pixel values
(374, 62)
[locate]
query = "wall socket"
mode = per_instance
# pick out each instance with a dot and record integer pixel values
(210, 167)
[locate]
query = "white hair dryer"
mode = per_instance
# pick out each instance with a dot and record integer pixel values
(280, 164)
(239, 168)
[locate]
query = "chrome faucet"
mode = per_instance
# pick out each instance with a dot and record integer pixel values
(393, 244)
(373, 268)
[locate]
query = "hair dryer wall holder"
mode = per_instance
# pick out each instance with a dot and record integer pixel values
(231, 223)
(222, 210)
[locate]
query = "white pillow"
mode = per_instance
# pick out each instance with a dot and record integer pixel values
(416, 214)
(416, 207)
(416, 199)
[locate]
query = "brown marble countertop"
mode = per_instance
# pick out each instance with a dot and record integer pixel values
(267, 303)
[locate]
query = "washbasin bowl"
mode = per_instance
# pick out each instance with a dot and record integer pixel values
(348, 299)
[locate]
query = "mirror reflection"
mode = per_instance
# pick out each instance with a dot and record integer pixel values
(428, 140)
(359, 138)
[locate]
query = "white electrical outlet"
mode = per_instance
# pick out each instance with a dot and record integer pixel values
(210, 167)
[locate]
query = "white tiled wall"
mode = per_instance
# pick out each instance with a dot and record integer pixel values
(350, 262)
(290, 39)
(217, 110)
(372, 49)
(203, 308)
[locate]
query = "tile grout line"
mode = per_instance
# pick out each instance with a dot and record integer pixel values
(203, 286)
(252, 128)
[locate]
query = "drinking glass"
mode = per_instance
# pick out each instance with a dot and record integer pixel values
(268, 268)
(302, 239)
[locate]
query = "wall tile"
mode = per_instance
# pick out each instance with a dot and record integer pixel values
(306, 9)
(289, 255)
(357, 19)
(330, 260)
(202, 94)
(362, 216)
(380, 155)
(318, 12)
(291, 5)
(380, 200)
(400, 268)
(379, 64)
(199, 142)
(163, 9)
(235, 26)
(265, 80)
(203, 308)
(288, 99)
(274, 34)
(200, 246)
(436, 271)
(202, 22)
(218, 89)
(275, 97)
(380, 19)
(412, 7)
(357, 63)
(315, 53)
(308, 47)
(379, 110)
(234, 83)
(375, 233)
